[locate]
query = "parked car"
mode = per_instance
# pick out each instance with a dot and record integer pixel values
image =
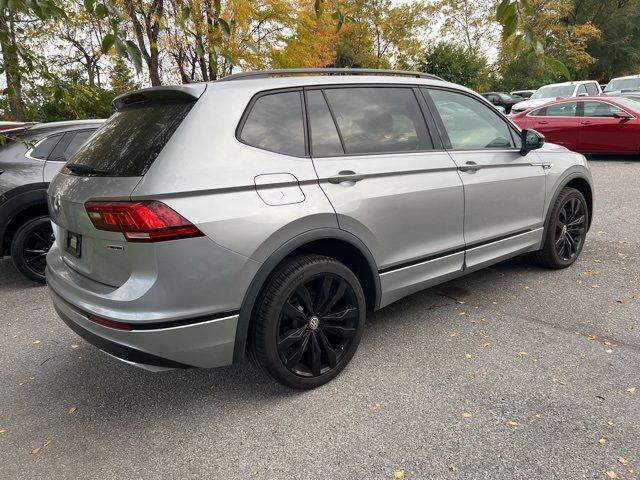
(29, 159)
(523, 93)
(554, 91)
(273, 227)
(588, 125)
(502, 99)
(619, 85)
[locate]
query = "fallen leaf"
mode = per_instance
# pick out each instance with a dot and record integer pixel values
(74, 346)
(73, 409)
(35, 451)
(558, 381)
(453, 334)
(467, 355)
(375, 406)
(467, 414)
(36, 342)
(602, 441)
(608, 350)
(486, 344)
(2, 430)
(622, 301)
(591, 337)
(623, 461)
(46, 444)
(398, 474)
(612, 474)
(631, 390)
(512, 423)
(606, 342)
(452, 468)
(595, 285)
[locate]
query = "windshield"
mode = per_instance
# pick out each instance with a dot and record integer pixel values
(553, 91)
(630, 103)
(505, 97)
(623, 84)
(130, 140)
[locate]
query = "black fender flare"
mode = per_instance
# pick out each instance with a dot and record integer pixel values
(261, 276)
(16, 200)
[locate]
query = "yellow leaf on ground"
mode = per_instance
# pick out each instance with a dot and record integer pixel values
(36, 342)
(467, 414)
(74, 346)
(73, 409)
(602, 441)
(467, 355)
(486, 344)
(398, 474)
(631, 390)
(523, 354)
(452, 468)
(35, 451)
(612, 474)
(513, 424)
(623, 461)
(46, 444)
(2, 430)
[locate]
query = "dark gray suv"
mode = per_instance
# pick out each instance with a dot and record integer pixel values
(29, 159)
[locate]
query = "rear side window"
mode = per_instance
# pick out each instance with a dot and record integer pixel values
(275, 123)
(129, 142)
(378, 119)
(45, 147)
(592, 89)
(582, 89)
(325, 141)
(599, 109)
(69, 145)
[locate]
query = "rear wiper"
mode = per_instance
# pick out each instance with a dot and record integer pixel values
(85, 169)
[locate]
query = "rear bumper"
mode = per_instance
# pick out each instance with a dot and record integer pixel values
(201, 343)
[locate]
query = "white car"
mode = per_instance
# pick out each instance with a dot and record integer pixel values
(555, 90)
(618, 85)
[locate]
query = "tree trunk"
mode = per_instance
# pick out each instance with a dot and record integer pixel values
(11, 63)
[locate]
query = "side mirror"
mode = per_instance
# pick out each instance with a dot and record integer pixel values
(622, 115)
(531, 140)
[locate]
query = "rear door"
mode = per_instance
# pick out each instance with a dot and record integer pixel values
(601, 131)
(504, 190)
(390, 183)
(559, 123)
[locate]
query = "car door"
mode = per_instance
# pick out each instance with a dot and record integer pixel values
(602, 131)
(67, 146)
(504, 190)
(558, 122)
(389, 181)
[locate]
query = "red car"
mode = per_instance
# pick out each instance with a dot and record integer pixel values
(588, 124)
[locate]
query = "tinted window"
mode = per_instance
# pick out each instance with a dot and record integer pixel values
(376, 119)
(275, 124)
(562, 110)
(45, 147)
(129, 142)
(599, 109)
(592, 89)
(69, 145)
(553, 91)
(325, 141)
(469, 123)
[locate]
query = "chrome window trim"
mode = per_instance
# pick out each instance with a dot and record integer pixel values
(35, 145)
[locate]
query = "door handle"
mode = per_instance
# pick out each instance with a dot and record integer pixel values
(586, 122)
(543, 122)
(345, 176)
(469, 167)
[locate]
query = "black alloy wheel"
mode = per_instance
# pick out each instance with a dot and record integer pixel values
(29, 247)
(317, 325)
(308, 321)
(566, 230)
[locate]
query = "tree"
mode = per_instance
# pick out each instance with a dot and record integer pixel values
(120, 77)
(456, 64)
(471, 23)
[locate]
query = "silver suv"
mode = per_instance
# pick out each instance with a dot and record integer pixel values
(266, 213)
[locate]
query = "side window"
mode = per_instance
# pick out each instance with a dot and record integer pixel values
(592, 89)
(567, 109)
(275, 124)
(582, 89)
(45, 147)
(541, 112)
(379, 119)
(325, 141)
(71, 142)
(470, 124)
(599, 109)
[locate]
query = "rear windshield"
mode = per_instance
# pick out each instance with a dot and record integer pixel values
(129, 142)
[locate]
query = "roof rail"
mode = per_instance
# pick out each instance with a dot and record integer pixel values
(325, 71)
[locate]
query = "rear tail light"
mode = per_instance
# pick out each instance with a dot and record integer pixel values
(110, 323)
(144, 221)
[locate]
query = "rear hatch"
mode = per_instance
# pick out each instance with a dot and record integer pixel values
(107, 169)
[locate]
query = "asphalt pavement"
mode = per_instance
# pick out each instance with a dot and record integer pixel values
(513, 372)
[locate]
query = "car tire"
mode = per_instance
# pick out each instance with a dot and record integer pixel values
(29, 247)
(566, 231)
(308, 322)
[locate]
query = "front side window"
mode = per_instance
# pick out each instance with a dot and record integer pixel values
(378, 119)
(600, 109)
(470, 124)
(582, 90)
(275, 124)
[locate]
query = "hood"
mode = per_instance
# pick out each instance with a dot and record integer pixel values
(527, 104)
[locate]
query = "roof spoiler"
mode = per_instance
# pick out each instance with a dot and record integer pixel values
(171, 92)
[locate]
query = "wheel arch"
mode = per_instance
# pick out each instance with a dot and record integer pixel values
(330, 242)
(20, 205)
